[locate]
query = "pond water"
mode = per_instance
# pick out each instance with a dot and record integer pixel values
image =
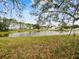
(42, 33)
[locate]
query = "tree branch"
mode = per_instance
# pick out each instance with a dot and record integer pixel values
(64, 12)
(77, 19)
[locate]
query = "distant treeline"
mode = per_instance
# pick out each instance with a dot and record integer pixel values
(68, 27)
(10, 23)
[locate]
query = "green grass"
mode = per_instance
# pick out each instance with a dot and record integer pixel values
(42, 47)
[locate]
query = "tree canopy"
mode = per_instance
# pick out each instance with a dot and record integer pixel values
(10, 5)
(58, 9)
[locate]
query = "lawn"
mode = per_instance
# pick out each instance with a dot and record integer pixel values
(42, 47)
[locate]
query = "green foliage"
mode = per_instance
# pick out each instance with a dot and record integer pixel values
(36, 26)
(56, 6)
(68, 8)
(3, 26)
(8, 24)
(68, 27)
(5, 23)
(50, 0)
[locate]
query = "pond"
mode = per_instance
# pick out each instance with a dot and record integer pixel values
(42, 33)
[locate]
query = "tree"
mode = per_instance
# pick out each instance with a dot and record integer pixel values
(55, 8)
(11, 5)
(5, 23)
(12, 23)
(36, 26)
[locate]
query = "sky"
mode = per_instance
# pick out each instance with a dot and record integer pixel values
(27, 17)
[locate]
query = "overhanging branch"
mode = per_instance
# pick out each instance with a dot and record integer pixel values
(64, 12)
(77, 19)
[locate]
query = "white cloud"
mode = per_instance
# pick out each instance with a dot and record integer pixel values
(27, 17)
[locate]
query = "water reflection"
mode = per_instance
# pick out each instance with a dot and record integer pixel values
(42, 33)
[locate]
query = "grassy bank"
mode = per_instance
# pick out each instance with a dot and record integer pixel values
(43, 47)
